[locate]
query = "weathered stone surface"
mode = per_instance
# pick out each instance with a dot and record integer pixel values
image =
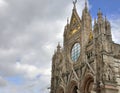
(94, 67)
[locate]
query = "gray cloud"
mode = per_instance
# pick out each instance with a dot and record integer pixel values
(29, 32)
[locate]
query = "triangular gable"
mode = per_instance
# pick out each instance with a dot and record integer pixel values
(75, 19)
(75, 23)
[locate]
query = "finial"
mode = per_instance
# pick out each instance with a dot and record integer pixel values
(105, 18)
(67, 20)
(95, 21)
(106, 21)
(85, 3)
(86, 8)
(58, 47)
(74, 3)
(99, 13)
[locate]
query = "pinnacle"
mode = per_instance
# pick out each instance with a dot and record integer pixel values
(85, 3)
(86, 7)
(95, 21)
(67, 20)
(99, 12)
(58, 46)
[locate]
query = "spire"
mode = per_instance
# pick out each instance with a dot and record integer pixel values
(86, 6)
(58, 47)
(99, 13)
(67, 21)
(105, 19)
(85, 10)
(85, 3)
(95, 21)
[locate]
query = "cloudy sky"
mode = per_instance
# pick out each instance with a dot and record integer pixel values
(29, 33)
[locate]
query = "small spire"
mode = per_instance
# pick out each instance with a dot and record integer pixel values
(86, 3)
(58, 47)
(74, 3)
(105, 18)
(99, 15)
(86, 8)
(67, 20)
(106, 21)
(99, 12)
(95, 21)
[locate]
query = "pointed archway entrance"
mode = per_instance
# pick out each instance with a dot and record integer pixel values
(88, 84)
(73, 88)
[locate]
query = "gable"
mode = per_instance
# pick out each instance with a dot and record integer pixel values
(75, 23)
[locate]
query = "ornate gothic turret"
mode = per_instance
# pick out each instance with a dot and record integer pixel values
(66, 30)
(100, 17)
(86, 24)
(99, 26)
(103, 52)
(56, 61)
(86, 18)
(102, 30)
(108, 29)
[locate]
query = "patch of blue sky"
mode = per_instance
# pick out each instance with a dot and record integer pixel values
(108, 7)
(16, 80)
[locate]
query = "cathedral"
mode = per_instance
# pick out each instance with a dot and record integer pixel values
(89, 61)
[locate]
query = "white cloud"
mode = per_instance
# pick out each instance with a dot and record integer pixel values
(115, 21)
(31, 71)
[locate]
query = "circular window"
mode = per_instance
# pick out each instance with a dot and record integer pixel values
(75, 53)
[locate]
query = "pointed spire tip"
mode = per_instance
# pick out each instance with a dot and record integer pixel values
(85, 3)
(58, 46)
(67, 20)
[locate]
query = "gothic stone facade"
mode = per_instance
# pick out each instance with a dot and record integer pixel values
(89, 61)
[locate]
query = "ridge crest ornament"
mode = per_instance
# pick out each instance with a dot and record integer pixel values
(74, 3)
